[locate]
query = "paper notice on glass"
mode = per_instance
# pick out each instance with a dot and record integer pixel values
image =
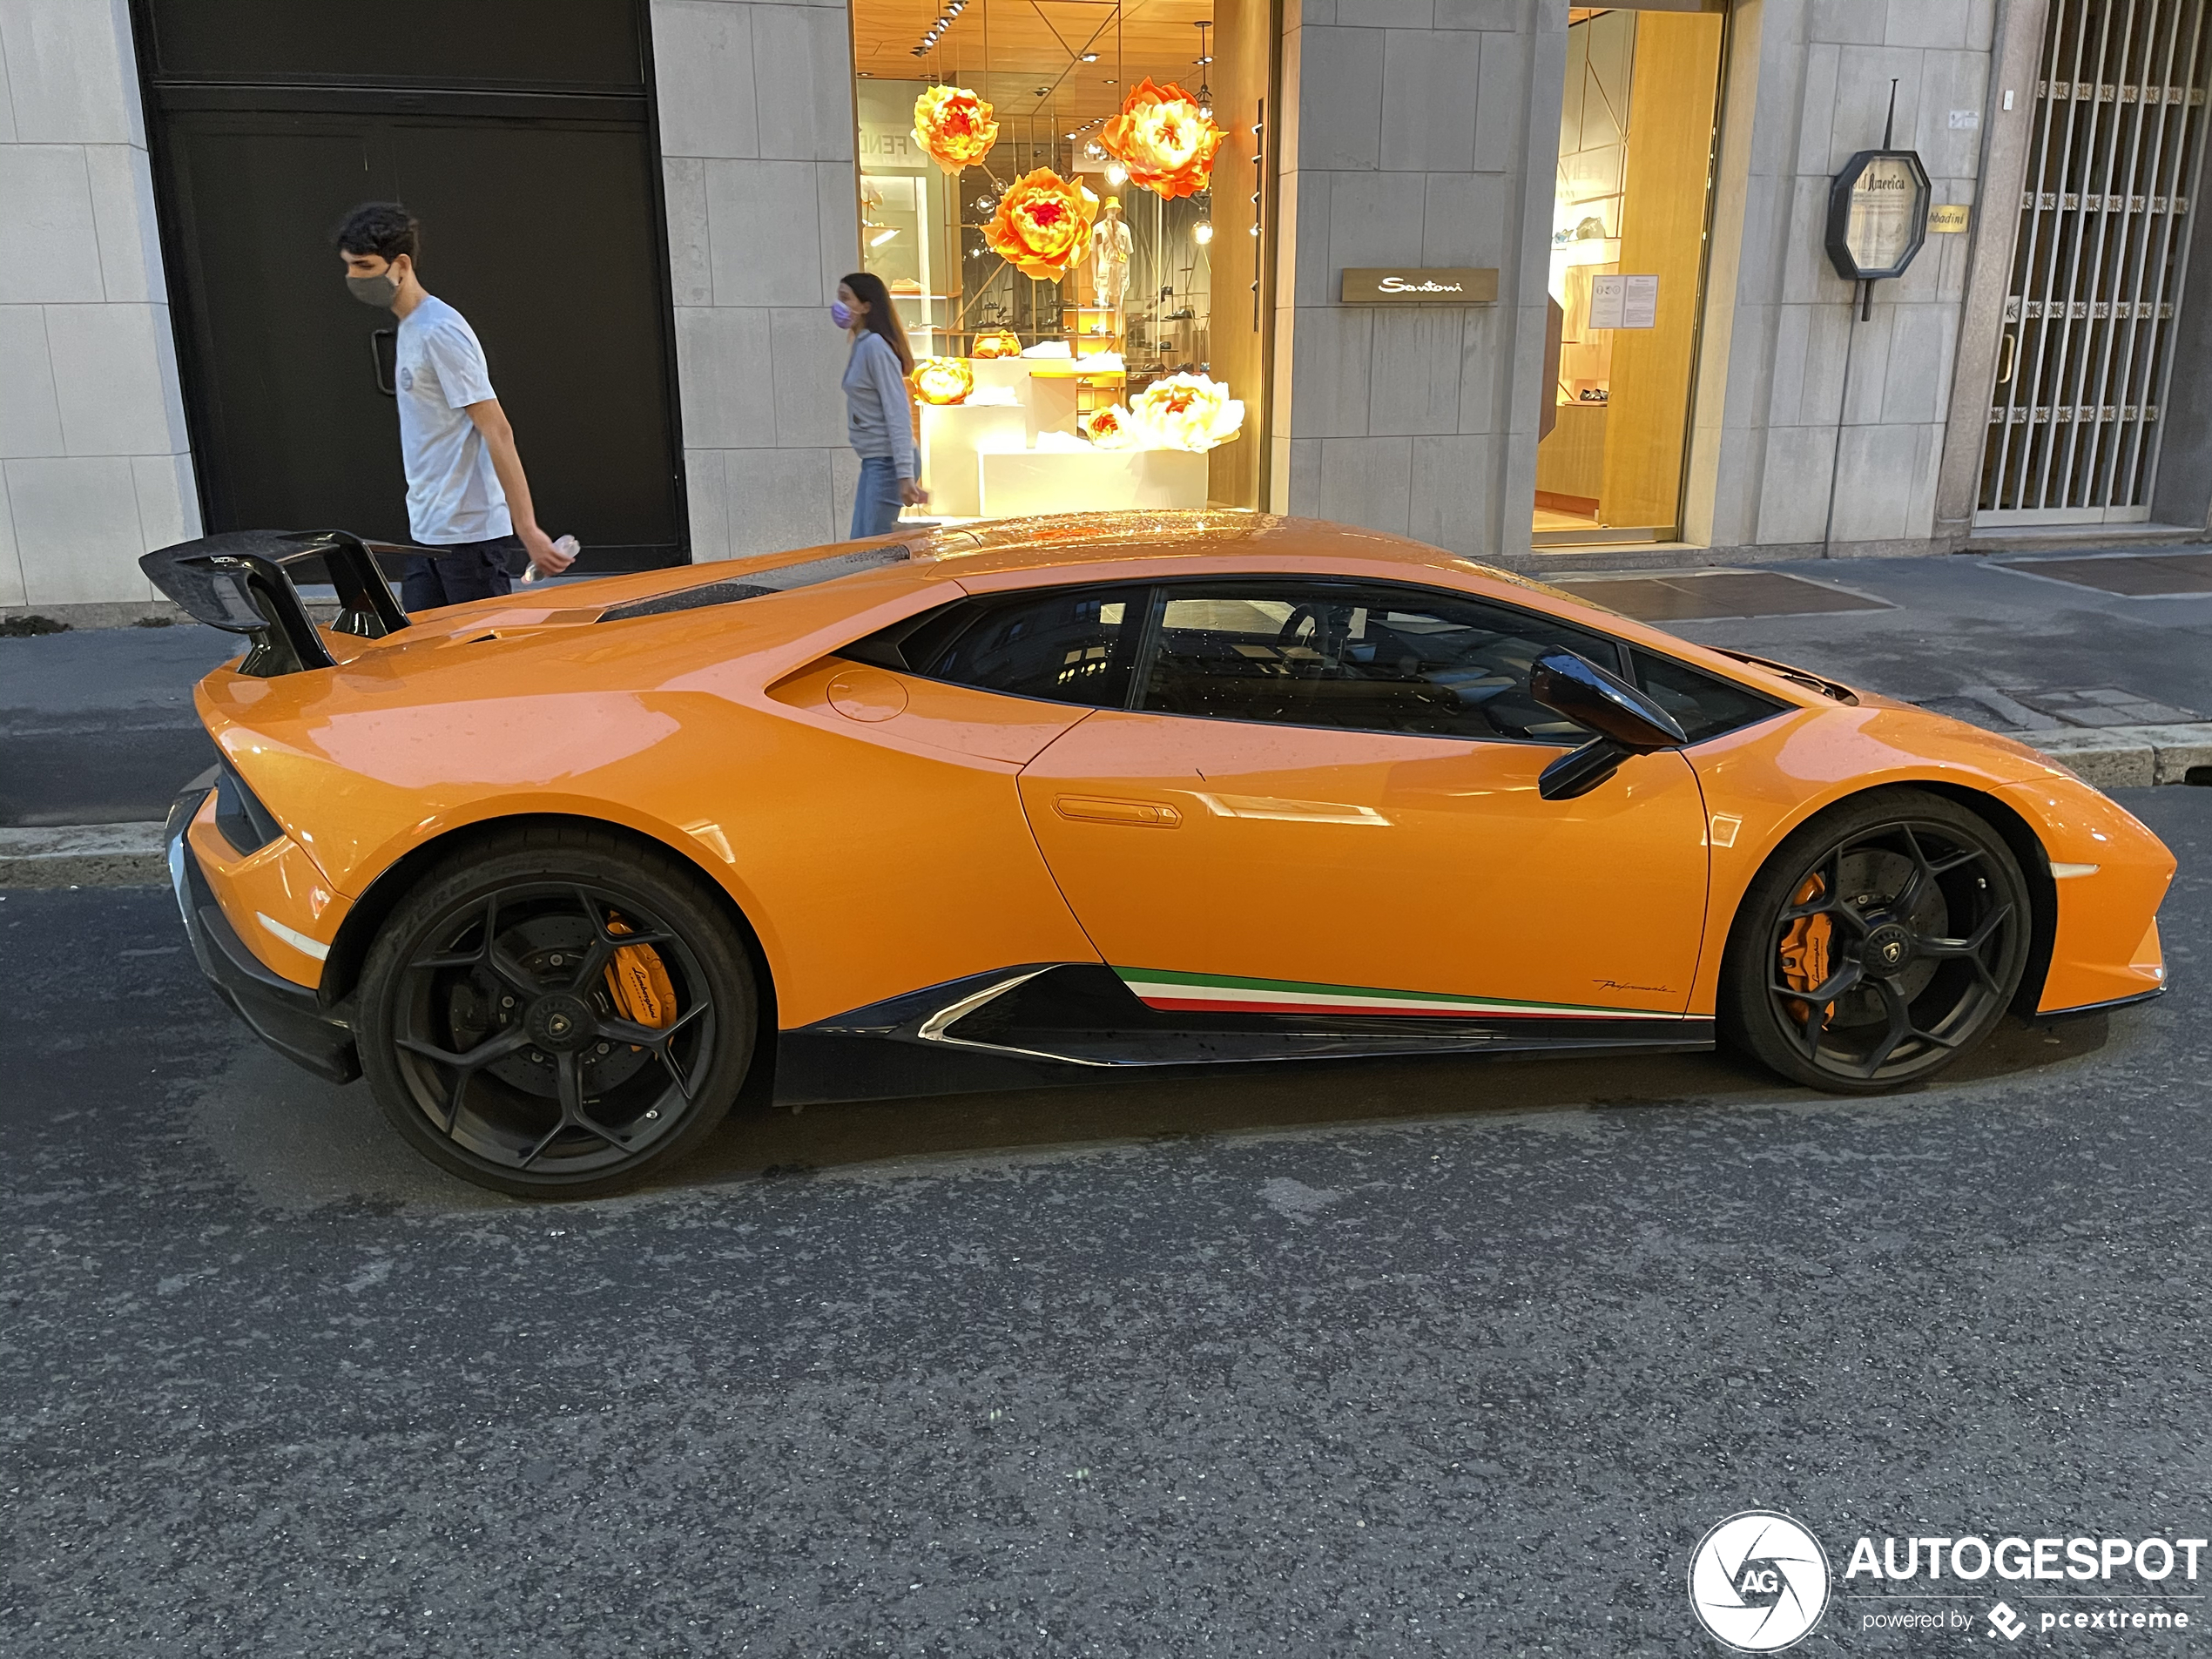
(1624, 302)
(1607, 294)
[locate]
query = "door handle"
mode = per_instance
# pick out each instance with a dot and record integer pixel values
(2010, 361)
(376, 375)
(1101, 809)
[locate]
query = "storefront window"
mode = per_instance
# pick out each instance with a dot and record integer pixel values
(1064, 200)
(1628, 257)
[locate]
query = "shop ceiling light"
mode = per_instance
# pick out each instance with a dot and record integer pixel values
(1202, 232)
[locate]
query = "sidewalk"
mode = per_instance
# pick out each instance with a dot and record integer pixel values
(96, 726)
(1943, 627)
(2118, 685)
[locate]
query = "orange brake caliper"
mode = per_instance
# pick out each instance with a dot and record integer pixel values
(1804, 951)
(639, 982)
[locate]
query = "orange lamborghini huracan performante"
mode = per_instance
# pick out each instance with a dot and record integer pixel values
(1057, 798)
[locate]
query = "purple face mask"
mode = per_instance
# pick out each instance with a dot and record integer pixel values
(841, 314)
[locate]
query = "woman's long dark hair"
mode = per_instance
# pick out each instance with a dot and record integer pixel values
(882, 317)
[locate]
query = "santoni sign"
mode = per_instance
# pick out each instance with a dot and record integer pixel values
(1396, 285)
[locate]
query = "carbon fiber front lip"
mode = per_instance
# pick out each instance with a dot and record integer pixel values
(287, 1017)
(2106, 1007)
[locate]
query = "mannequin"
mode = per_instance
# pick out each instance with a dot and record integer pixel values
(1109, 255)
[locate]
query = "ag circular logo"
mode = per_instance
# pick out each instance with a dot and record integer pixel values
(1758, 1582)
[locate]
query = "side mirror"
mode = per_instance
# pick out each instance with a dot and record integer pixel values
(1626, 721)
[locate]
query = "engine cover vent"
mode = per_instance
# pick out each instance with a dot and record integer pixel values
(755, 583)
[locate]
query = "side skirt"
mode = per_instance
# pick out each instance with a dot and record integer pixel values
(1048, 1024)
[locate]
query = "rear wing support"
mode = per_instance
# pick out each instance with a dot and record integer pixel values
(239, 582)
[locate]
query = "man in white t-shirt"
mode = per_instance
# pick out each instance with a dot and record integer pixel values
(466, 494)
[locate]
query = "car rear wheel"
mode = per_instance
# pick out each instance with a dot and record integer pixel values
(1882, 941)
(557, 1013)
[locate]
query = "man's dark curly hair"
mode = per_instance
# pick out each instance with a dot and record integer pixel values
(382, 228)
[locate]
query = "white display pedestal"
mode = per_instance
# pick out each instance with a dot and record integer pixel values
(1052, 400)
(1010, 371)
(1045, 384)
(951, 434)
(1019, 484)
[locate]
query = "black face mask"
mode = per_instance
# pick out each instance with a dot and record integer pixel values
(379, 290)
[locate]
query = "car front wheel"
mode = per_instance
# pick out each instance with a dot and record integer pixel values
(1882, 941)
(555, 1013)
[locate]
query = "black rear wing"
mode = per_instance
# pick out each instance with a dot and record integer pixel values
(239, 582)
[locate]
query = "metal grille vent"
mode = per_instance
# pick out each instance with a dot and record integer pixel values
(756, 583)
(714, 593)
(2098, 263)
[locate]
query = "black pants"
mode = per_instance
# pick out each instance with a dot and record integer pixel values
(469, 570)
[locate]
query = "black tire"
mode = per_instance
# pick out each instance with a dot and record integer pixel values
(557, 1013)
(1908, 916)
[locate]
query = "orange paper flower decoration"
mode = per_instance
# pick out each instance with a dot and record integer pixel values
(953, 127)
(1110, 428)
(1186, 412)
(999, 343)
(943, 380)
(1043, 225)
(1162, 140)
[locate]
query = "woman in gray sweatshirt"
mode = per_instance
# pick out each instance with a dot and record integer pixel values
(878, 417)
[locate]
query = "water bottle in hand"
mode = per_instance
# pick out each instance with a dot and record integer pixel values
(567, 544)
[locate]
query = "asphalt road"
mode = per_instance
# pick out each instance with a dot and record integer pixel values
(1389, 1359)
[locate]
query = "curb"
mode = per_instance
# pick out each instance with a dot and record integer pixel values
(83, 856)
(2129, 757)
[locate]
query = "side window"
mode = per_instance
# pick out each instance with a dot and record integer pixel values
(1061, 644)
(1703, 704)
(1370, 657)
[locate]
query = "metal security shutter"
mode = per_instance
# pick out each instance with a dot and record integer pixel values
(2113, 171)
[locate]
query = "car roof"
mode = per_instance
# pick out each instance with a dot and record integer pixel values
(881, 580)
(1088, 540)
(1094, 539)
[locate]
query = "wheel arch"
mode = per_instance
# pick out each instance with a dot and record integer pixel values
(349, 950)
(2034, 860)
(2017, 833)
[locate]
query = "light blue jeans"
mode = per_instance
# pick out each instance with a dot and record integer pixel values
(876, 503)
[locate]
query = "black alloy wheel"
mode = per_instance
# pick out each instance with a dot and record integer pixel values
(557, 1015)
(1882, 941)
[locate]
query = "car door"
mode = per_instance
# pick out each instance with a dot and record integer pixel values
(1323, 799)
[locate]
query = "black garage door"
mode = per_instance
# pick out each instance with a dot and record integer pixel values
(520, 133)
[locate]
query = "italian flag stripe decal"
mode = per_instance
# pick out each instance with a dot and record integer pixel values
(1224, 993)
